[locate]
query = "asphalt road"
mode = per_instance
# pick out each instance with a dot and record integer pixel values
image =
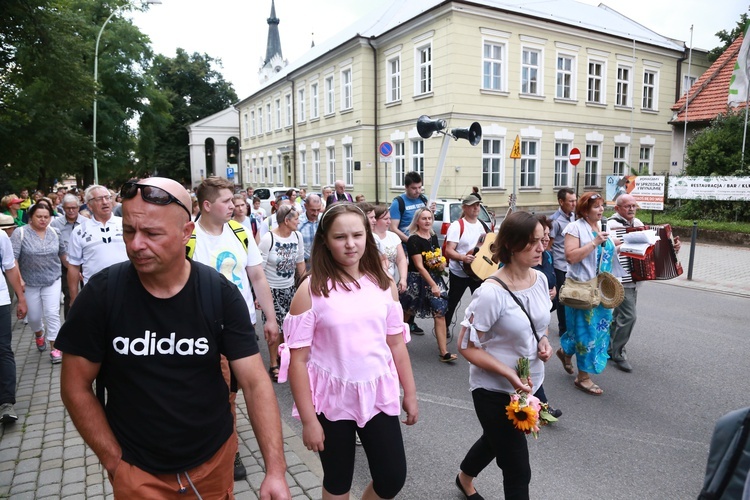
(646, 437)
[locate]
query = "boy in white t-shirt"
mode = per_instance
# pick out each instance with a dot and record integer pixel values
(461, 241)
(218, 247)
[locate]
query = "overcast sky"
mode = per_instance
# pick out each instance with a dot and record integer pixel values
(235, 31)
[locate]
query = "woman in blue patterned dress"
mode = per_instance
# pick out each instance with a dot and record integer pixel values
(587, 250)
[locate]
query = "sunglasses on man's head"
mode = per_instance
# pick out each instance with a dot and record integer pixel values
(150, 194)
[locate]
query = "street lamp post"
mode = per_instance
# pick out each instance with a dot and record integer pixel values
(96, 80)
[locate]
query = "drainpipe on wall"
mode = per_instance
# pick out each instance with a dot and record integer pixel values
(375, 132)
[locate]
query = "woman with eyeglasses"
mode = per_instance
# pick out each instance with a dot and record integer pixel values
(283, 261)
(588, 249)
(39, 250)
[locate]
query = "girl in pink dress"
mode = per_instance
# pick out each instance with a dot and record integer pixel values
(345, 354)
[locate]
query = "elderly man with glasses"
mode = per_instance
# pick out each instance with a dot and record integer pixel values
(624, 315)
(66, 222)
(97, 242)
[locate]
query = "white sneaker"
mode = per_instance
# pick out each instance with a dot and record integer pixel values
(7, 413)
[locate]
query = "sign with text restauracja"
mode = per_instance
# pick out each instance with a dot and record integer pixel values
(648, 190)
(710, 188)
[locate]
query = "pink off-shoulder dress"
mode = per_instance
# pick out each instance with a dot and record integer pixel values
(351, 369)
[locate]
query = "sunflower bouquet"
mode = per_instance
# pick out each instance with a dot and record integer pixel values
(434, 260)
(525, 410)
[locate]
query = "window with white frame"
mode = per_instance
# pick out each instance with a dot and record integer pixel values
(272, 173)
(591, 168)
(492, 163)
(687, 82)
(255, 171)
(288, 103)
(644, 160)
(278, 113)
(280, 171)
(329, 95)
(562, 164)
(268, 117)
(529, 163)
(622, 96)
(417, 156)
(262, 172)
(423, 77)
(595, 82)
(348, 165)
(399, 164)
(246, 170)
(331, 170)
(530, 68)
(301, 105)
(347, 99)
(303, 168)
(649, 89)
(246, 126)
(252, 122)
(493, 56)
(565, 80)
(314, 111)
(393, 79)
(260, 120)
(620, 166)
(316, 167)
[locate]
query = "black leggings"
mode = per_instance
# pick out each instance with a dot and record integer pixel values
(500, 441)
(383, 445)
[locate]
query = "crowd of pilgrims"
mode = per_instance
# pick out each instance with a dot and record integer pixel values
(364, 262)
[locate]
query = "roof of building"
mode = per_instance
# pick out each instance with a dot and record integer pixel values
(708, 95)
(388, 16)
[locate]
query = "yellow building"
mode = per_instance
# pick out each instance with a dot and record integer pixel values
(560, 75)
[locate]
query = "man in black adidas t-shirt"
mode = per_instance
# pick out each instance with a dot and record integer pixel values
(167, 425)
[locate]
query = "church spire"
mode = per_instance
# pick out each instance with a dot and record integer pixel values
(274, 62)
(273, 46)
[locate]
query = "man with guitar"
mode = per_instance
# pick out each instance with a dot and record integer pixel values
(461, 246)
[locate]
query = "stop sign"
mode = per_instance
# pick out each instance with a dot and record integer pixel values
(575, 156)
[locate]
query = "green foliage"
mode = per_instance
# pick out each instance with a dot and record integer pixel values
(191, 89)
(728, 37)
(47, 90)
(717, 149)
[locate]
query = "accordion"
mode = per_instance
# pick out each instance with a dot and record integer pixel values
(660, 261)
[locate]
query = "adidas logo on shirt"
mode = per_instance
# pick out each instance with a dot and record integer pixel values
(149, 345)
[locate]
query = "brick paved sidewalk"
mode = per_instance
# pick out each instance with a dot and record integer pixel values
(42, 456)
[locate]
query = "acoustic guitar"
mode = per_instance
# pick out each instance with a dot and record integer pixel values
(482, 266)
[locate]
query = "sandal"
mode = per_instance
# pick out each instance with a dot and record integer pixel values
(274, 373)
(448, 357)
(567, 365)
(592, 389)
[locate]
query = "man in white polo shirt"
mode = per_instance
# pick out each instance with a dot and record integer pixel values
(96, 243)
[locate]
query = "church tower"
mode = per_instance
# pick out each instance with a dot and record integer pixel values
(274, 61)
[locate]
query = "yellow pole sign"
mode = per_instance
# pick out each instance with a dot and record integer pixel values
(515, 153)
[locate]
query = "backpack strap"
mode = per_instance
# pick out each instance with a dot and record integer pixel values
(239, 232)
(115, 295)
(401, 206)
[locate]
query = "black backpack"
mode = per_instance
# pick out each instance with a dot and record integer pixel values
(208, 279)
(728, 457)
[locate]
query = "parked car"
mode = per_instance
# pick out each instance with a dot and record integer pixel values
(269, 194)
(449, 210)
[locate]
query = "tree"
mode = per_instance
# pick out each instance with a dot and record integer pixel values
(47, 90)
(193, 90)
(727, 37)
(717, 150)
